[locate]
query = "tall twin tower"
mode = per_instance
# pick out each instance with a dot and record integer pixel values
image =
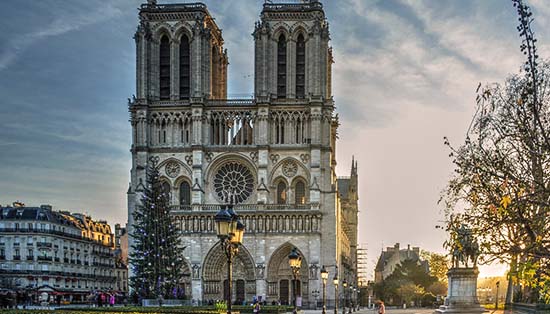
(273, 154)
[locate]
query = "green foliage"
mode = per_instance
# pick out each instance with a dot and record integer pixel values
(407, 274)
(439, 264)
(157, 258)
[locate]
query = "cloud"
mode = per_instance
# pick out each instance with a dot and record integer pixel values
(60, 25)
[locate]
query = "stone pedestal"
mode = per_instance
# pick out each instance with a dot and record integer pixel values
(462, 292)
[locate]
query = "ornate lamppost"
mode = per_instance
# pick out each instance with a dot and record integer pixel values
(344, 284)
(230, 232)
(350, 297)
(324, 277)
(295, 262)
(335, 282)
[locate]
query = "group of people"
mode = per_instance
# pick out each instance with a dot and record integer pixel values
(105, 299)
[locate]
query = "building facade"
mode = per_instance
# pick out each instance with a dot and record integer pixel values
(55, 252)
(394, 256)
(274, 154)
(121, 258)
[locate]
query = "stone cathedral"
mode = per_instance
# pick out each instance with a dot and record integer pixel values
(275, 152)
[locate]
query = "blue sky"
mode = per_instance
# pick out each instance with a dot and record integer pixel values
(404, 77)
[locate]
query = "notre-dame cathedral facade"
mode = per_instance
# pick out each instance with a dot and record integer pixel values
(274, 152)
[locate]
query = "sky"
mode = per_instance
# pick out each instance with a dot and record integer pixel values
(405, 76)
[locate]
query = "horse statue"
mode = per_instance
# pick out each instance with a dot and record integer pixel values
(465, 247)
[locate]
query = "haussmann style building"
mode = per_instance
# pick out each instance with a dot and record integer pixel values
(275, 151)
(51, 253)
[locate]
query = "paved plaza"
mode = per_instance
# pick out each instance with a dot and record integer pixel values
(390, 310)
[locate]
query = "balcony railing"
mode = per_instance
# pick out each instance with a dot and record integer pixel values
(43, 231)
(45, 258)
(44, 245)
(17, 257)
(248, 207)
(30, 258)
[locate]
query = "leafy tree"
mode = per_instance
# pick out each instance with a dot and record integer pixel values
(438, 288)
(409, 272)
(502, 175)
(157, 257)
(410, 292)
(439, 264)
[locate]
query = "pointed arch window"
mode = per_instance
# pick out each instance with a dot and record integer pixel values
(185, 193)
(185, 67)
(300, 67)
(281, 67)
(164, 68)
(281, 193)
(166, 190)
(300, 193)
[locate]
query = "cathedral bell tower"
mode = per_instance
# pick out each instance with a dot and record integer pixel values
(179, 53)
(293, 59)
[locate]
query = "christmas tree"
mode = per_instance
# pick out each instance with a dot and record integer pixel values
(157, 255)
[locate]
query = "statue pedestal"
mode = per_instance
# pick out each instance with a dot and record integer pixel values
(462, 292)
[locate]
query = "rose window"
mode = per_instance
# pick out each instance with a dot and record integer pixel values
(233, 182)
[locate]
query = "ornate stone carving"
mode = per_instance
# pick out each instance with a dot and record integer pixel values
(208, 156)
(304, 158)
(196, 271)
(189, 160)
(274, 158)
(254, 156)
(260, 271)
(172, 169)
(313, 271)
(290, 168)
(233, 182)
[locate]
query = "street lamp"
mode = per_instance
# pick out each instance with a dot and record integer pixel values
(230, 232)
(496, 299)
(324, 277)
(335, 282)
(344, 284)
(295, 262)
(350, 296)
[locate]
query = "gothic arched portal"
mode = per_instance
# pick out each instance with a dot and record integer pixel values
(280, 279)
(214, 275)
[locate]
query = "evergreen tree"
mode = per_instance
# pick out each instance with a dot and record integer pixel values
(157, 258)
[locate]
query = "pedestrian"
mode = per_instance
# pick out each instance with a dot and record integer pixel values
(256, 306)
(112, 300)
(382, 308)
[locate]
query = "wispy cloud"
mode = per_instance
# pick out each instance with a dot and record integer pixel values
(60, 25)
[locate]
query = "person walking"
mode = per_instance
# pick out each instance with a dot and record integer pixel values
(382, 308)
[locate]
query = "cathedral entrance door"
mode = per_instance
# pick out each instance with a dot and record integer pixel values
(240, 291)
(284, 292)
